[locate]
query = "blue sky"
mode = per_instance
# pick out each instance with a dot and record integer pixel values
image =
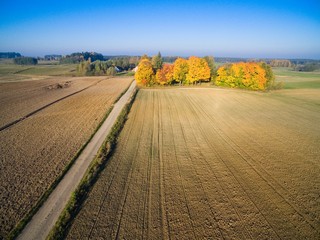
(273, 29)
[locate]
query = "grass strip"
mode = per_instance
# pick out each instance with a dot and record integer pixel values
(24, 221)
(60, 230)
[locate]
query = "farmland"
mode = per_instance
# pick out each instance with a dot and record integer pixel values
(208, 163)
(13, 72)
(36, 150)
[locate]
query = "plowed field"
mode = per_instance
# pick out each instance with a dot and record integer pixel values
(210, 164)
(18, 99)
(35, 150)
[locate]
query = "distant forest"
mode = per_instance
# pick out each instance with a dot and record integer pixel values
(9, 55)
(127, 62)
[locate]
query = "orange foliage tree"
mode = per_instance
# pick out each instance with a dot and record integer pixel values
(145, 75)
(165, 74)
(242, 75)
(180, 70)
(198, 70)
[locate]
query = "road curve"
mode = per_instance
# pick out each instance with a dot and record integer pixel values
(45, 218)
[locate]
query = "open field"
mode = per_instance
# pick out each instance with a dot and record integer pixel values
(210, 164)
(35, 150)
(297, 80)
(10, 72)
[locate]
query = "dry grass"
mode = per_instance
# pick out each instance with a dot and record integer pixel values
(210, 164)
(36, 150)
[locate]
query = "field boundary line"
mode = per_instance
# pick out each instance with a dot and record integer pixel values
(79, 195)
(95, 218)
(25, 220)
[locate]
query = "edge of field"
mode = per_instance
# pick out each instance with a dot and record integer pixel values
(24, 221)
(77, 198)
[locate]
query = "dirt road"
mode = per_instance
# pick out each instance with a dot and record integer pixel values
(45, 218)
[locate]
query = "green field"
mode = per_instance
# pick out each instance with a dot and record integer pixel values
(13, 72)
(297, 80)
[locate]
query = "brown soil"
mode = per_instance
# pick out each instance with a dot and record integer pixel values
(209, 164)
(36, 150)
(17, 99)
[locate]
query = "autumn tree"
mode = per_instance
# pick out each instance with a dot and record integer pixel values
(145, 75)
(144, 56)
(242, 75)
(157, 62)
(198, 70)
(180, 70)
(165, 74)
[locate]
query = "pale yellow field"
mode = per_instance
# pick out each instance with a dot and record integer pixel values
(37, 149)
(210, 164)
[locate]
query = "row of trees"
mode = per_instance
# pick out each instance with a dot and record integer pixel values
(307, 67)
(79, 57)
(25, 61)
(251, 75)
(183, 71)
(281, 63)
(96, 68)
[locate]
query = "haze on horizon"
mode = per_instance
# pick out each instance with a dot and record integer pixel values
(268, 29)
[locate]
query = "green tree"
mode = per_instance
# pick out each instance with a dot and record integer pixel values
(210, 61)
(269, 75)
(111, 71)
(157, 62)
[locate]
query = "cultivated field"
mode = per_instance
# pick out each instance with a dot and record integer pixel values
(18, 99)
(35, 150)
(210, 164)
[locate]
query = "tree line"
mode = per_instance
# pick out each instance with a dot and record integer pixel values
(109, 67)
(248, 75)
(25, 61)
(183, 71)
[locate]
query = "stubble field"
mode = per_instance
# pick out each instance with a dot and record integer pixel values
(210, 164)
(35, 150)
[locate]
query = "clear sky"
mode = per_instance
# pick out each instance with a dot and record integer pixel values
(252, 28)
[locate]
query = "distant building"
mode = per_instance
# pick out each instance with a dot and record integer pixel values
(135, 69)
(52, 57)
(118, 69)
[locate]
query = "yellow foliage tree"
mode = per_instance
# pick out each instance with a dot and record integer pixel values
(180, 70)
(242, 75)
(198, 70)
(145, 75)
